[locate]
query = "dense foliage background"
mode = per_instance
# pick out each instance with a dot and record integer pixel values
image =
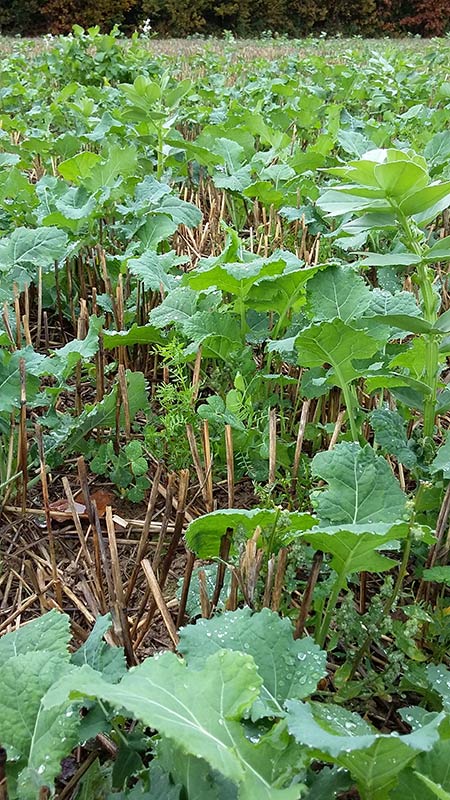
(242, 17)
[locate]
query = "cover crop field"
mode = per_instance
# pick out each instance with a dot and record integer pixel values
(224, 419)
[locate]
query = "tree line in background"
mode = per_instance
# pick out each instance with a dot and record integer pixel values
(243, 17)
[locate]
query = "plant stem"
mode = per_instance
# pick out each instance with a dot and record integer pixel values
(160, 154)
(425, 281)
(347, 394)
(331, 605)
(386, 607)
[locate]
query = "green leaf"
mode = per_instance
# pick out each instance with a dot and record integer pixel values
(361, 487)
(337, 344)
(400, 178)
(436, 789)
(433, 766)
(437, 575)
(160, 693)
(437, 149)
(439, 678)
(204, 325)
(179, 305)
(426, 204)
(281, 292)
(104, 658)
(328, 783)
(337, 202)
(180, 211)
(389, 259)
(119, 162)
(204, 534)
(39, 735)
(103, 414)
(337, 292)
(403, 322)
(289, 668)
(153, 269)
(441, 462)
(49, 633)
(74, 204)
(440, 251)
(65, 358)
(390, 433)
(137, 334)
(10, 384)
(234, 277)
(384, 309)
(198, 780)
(79, 167)
(25, 247)
(375, 760)
(354, 547)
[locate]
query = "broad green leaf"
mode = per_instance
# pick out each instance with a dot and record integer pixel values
(337, 344)
(119, 162)
(26, 247)
(74, 204)
(439, 678)
(103, 414)
(198, 780)
(328, 782)
(434, 766)
(435, 788)
(206, 324)
(179, 305)
(337, 202)
(440, 251)
(77, 168)
(160, 692)
(385, 307)
(232, 153)
(204, 534)
(104, 658)
(10, 384)
(137, 334)
(153, 269)
(39, 735)
(426, 204)
(442, 324)
(437, 574)
(153, 229)
(389, 259)
(180, 211)
(437, 149)
(234, 277)
(289, 668)
(400, 178)
(354, 547)
(337, 292)
(390, 433)
(402, 322)
(281, 292)
(357, 229)
(441, 462)
(375, 760)
(66, 357)
(49, 633)
(361, 487)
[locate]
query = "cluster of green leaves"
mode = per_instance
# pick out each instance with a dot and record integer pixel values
(101, 147)
(254, 731)
(108, 145)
